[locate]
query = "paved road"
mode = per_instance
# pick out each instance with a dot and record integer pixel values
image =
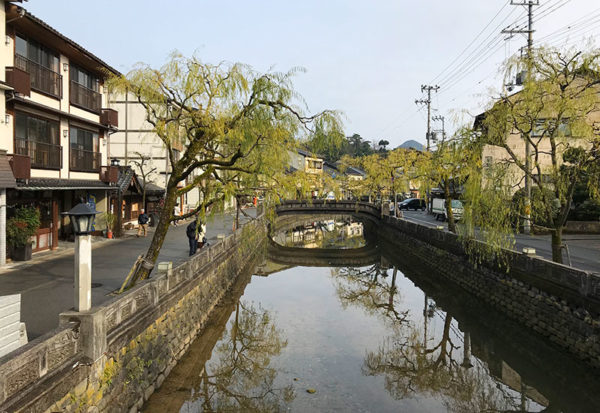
(584, 249)
(46, 287)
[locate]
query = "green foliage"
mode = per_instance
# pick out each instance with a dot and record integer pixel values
(554, 113)
(227, 130)
(21, 227)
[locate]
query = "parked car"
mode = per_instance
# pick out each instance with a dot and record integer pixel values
(438, 208)
(413, 203)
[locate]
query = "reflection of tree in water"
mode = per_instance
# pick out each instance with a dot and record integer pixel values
(411, 366)
(239, 376)
(371, 289)
(415, 364)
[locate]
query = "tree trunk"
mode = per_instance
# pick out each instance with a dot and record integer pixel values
(448, 204)
(144, 194)
(557, 245)
(162, 227)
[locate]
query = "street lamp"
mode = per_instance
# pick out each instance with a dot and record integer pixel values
(82, 218)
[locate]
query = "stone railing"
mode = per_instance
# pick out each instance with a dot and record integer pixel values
(44, 357)
(322, 206)
(577, 286)
(143, 332)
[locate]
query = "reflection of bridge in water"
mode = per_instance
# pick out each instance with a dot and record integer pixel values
(291, 214)
(323, 257)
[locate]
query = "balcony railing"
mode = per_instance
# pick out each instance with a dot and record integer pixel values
(85, 98)
(85, 161)
(42, 79)
(43, 155)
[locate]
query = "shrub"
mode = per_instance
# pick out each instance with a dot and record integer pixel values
(21, 227)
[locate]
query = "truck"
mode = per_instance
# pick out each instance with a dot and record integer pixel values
(438, 209)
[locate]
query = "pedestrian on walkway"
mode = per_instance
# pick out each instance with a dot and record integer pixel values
(143, 223)
(176, 213)
(192, 235)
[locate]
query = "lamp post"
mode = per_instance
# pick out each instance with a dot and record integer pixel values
(82, 218)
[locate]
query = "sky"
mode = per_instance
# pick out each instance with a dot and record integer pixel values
(367, 59)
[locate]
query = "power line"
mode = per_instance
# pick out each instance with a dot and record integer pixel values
(473, 41)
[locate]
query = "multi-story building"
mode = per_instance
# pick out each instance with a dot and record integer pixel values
(53, 122)
(135, 144)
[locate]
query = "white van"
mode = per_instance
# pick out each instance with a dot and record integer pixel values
(438, 208)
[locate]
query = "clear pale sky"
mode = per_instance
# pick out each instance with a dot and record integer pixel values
(365, 58)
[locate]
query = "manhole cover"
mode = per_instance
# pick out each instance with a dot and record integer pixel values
(96, 285)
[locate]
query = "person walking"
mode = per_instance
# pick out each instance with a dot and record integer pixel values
(143, 223)
(192, 235)
(176, 213)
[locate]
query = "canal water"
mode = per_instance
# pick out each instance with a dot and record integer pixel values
(382, 334)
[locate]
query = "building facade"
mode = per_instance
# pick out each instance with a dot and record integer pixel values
(54, 123)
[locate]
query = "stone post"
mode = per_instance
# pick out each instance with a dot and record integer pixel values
(83, 272)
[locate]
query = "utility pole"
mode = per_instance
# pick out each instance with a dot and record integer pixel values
(427, 102)
(441, 119)
(529, 31)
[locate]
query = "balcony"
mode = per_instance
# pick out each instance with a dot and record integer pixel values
(42, 79)
(20, 165)
(109, 117)
(43, 155)
(19, 80)
(109, 174)
(85, 98)
(81, 160)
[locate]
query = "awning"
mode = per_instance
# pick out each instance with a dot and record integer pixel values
(53, 184)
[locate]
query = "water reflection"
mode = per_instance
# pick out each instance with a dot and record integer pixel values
(239, 376)
(415, 363)
(339, 233)
(384, 336)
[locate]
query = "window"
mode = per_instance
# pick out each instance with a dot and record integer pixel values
(488, 162)
(41, 63)
(84, 90)
(85, 150)
(83, 139)
(36, 53)
(83, 78)
(545, 127)
(39, 139)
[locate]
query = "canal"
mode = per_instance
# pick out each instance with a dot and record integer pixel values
(379, 334)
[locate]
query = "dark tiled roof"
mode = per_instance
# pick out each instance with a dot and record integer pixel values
(7, 180)
(42, 184)
(81, 49)
(125, 176)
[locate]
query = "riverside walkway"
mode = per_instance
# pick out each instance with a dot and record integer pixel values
(46, 282)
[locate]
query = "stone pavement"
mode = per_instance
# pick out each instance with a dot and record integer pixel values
(46, 282)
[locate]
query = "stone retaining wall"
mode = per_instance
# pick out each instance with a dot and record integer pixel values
(558, 302)
(113, 357)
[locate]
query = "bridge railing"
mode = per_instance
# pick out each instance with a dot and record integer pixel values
(327, 205)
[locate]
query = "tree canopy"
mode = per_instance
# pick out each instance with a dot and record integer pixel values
(232, 123)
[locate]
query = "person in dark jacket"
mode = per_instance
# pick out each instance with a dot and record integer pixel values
(143, 223)
(192, 235)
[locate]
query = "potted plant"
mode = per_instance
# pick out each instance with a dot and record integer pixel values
(109, 217)
(19, 230)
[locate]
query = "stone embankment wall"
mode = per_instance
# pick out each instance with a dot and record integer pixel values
(114, 356)
(557, 301)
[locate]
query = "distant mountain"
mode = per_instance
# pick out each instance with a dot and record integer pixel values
(412, 144)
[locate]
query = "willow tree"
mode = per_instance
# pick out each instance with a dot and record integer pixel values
(448, 167)
(554, 114)
(387, 173)
(229, 120)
